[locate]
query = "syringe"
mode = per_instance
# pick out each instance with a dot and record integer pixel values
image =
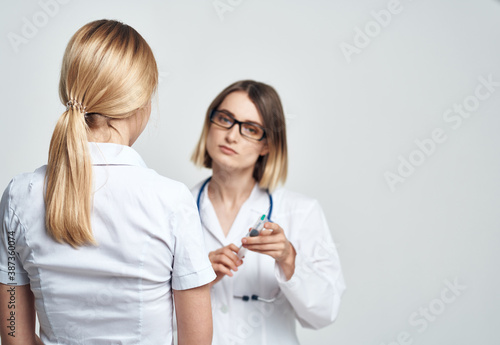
(254, 231)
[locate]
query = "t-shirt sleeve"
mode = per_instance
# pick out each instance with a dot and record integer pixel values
(11, 269)
(191, 266)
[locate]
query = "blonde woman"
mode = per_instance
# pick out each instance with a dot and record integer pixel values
(291, 270)
(94, 241)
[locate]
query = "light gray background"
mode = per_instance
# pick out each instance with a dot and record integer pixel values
(347, 123)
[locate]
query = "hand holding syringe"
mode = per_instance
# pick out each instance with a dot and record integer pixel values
(254, 231)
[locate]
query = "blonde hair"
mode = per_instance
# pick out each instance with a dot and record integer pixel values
(270, 169)
(109, 71)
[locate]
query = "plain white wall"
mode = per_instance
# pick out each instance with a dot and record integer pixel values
(360, 97)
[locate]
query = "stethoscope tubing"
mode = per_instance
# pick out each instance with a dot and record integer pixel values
(245, 298)
(198, 199)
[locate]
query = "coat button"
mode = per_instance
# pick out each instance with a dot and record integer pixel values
(223, 308)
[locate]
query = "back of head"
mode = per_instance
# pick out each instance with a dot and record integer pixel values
(109, 71)
(109, 68)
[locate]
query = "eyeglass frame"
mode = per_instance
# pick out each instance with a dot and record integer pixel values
(212, 114)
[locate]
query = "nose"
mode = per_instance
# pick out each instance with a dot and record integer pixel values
(233, 133)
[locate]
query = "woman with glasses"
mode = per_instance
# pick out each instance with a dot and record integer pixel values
(95, 241)
(291, 269)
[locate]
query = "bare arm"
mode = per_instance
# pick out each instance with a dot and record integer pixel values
(17, 315)
(194, 316)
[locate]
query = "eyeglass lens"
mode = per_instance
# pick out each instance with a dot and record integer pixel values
(247, 129)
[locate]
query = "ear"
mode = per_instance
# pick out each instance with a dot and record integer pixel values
(265, 149)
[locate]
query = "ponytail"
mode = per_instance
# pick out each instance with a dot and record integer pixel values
(68, 197)
(108, 70)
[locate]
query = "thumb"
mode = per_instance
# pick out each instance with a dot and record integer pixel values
(266, 232)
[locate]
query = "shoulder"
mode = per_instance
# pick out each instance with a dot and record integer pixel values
(159, 181)
(290, 199)
(197, 187)
(164, 186)
(296, 213)
(289, 205)
(22, 186)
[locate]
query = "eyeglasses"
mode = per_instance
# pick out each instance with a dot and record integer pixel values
(247, 129)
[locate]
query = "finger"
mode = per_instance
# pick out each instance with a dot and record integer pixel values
(233, 247)
(221, 269)
(274, 254)
(231, 254)
(273, 226)
(263, 239)
(266, 232)
(261, 247)
(226, 261)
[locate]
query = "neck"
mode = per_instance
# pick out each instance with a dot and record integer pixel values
(230, 188)
(108, 130)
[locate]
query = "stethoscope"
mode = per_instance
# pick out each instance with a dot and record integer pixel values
(208, 180)
(244, 298)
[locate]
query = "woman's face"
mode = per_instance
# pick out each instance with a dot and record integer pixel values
(227, 148)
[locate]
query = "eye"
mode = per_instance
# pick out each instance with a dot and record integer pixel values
(223, 119)
(252, 130)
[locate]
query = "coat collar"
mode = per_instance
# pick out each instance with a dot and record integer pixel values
(114, 154)
(256, 205)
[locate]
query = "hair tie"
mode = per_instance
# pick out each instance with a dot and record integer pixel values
(74, 103)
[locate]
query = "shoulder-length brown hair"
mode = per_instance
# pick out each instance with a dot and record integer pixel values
(270, 169)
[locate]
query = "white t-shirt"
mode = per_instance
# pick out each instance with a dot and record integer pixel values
(118, 292)
(312, 295)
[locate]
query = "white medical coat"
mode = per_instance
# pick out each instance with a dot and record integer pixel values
(118, 292)
(312, 296)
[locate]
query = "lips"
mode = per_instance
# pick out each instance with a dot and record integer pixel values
(227, 150)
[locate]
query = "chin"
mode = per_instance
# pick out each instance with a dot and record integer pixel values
(229, 165)
(225, 164)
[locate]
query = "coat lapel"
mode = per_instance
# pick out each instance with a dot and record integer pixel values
(255, 206)
(209, 219)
